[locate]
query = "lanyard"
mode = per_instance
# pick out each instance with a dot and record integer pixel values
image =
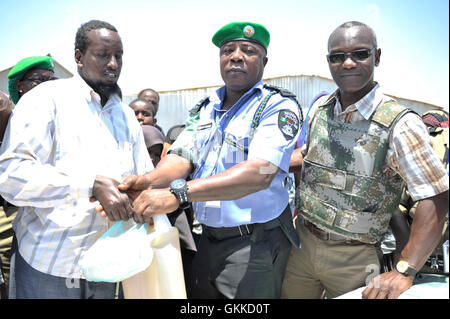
(255, 122)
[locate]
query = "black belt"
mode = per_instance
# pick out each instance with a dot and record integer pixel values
(220, 233)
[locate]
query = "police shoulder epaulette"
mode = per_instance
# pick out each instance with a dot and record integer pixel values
(199, 105)
(285, 93)
(282, 91)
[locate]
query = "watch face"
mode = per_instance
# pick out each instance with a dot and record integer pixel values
(402, 266)
(178, 183)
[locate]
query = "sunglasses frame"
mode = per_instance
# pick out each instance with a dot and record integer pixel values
(40, 80)
(351, 55)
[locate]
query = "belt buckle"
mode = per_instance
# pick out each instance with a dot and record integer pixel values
(317, 231)
(240, 231)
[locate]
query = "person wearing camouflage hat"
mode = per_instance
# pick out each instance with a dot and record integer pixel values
(236, 148)
(362, 147)
(28, 73)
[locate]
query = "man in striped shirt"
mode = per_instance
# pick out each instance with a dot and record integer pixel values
(69, 141)
(360, 149)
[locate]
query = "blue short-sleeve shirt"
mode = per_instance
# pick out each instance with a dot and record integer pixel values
(222, 138)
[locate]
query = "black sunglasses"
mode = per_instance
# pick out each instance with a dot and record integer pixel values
(37, 81)
(357, 55)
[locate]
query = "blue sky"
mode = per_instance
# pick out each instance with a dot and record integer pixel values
(168, 45)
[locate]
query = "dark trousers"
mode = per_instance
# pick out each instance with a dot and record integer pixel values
(7, 215)
(242, 267)
(33, 284)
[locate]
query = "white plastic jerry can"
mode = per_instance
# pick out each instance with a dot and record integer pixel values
(164, 278)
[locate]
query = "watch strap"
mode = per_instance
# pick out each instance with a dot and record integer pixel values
(411, 271)
(404, 268)
(181, 195)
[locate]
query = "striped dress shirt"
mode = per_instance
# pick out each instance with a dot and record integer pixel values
(410, 152)
(58, 139)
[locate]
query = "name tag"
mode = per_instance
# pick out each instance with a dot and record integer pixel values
(213, 204)
(204, 126)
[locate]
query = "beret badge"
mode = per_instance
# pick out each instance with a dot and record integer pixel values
(249, 31)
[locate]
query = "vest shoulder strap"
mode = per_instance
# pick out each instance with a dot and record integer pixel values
(388, 113)
(322, 101)
(323, 104)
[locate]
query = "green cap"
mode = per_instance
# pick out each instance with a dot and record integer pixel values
(22, 67)
(242, 31)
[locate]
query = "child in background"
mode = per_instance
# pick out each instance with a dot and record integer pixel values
(144, 112)
(154, 141)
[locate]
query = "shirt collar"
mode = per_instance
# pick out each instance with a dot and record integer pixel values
(367, 105)
(91, 96)
(219, 95)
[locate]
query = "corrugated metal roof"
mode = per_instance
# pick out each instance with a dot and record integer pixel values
(175, 105)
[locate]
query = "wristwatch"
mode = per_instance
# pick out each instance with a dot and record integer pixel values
(179, 188)
(404, 268)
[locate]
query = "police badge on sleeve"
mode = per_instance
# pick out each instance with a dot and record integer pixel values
(288, 124)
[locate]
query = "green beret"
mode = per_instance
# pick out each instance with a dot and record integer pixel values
(243, 31)
(22, 67)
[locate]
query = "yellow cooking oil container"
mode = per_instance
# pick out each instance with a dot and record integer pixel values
(164, 278)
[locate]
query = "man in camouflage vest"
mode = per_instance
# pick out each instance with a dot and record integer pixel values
(361, 149)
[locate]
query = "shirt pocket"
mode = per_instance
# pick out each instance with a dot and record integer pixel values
(203, 134)
(236, 148)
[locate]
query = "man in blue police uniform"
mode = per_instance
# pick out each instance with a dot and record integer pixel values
(236, 148)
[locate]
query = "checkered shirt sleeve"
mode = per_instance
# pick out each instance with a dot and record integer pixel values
(412, 156)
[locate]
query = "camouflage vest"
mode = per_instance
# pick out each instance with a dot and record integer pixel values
(342, 188)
